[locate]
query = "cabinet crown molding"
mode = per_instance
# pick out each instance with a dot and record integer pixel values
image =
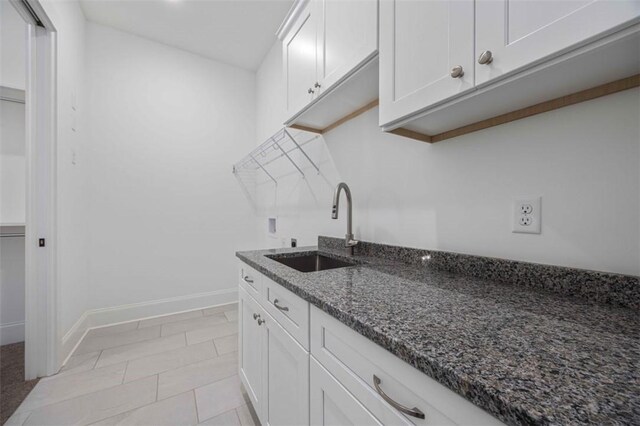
(293, 14)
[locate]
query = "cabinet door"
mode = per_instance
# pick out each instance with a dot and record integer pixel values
(250, 349)
(420, 43)
(347, 37)
(521, 32)
(285, 377)
(332, 404)
(300, 58)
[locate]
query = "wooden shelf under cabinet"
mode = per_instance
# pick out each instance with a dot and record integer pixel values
(577, 76)
(355, 94)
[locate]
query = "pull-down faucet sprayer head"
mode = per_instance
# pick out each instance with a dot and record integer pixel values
(349, 241)
(336, 199)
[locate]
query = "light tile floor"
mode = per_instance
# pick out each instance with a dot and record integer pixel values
(179, 369)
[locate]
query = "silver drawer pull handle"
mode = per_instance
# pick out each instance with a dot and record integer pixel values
(247, 279)
(413, 412)
(282, 308)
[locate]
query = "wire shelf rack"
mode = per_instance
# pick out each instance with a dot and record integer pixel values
(280, 145)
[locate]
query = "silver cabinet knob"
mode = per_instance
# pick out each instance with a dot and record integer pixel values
(457, 71)
(261, 321)
(310, 91)
(317, 85)
(485, 57)
(256, 316)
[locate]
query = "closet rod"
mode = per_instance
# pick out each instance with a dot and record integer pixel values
(17, 101)
(9, 94)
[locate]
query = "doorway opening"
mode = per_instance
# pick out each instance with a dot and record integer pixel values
(28, 317)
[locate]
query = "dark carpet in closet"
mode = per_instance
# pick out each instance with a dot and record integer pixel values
(13, 388)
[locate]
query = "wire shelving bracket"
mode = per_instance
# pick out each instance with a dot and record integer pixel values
(282, 144)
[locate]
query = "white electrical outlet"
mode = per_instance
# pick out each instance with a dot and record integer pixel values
(527, 215)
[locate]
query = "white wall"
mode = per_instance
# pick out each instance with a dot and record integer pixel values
(166, 215)
(456, 195)
(12, 47)
(72, 249)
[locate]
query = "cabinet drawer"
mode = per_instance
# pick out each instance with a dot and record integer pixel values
(354, 360)
(291, 312)
(332, 404)
(250, 280)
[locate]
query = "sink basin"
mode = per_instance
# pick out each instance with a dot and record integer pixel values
(311, 262)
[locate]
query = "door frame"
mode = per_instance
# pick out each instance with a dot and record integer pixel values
(42, 341)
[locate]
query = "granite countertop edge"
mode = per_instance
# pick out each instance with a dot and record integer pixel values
(476, 393)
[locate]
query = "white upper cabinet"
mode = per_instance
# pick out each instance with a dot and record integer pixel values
(347, 37)
(420, 43)
(300, 60)
(521, 32)
(273, 366)
(328, 49)
(446, 64)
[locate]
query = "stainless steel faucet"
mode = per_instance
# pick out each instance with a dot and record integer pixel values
(349, 242)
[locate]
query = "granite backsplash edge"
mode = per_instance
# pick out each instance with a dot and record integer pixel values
(593, 286)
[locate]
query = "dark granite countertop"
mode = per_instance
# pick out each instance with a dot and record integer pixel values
(524, 355)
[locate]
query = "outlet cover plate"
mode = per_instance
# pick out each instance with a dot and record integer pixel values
(521, 205)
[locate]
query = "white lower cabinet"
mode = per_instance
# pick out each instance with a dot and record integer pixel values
(346, 379)
(393, 391)
(290, 311)
(250, 280)
(285, 377)
(332, 404)
(250, 349)
(274, 368)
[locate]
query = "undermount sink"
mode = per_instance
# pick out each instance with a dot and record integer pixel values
(311, 262)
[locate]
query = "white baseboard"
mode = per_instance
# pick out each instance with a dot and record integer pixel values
(73, 337)
(101, 317)
(12, 332)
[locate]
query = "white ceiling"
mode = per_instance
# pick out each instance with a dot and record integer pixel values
(237, 32)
